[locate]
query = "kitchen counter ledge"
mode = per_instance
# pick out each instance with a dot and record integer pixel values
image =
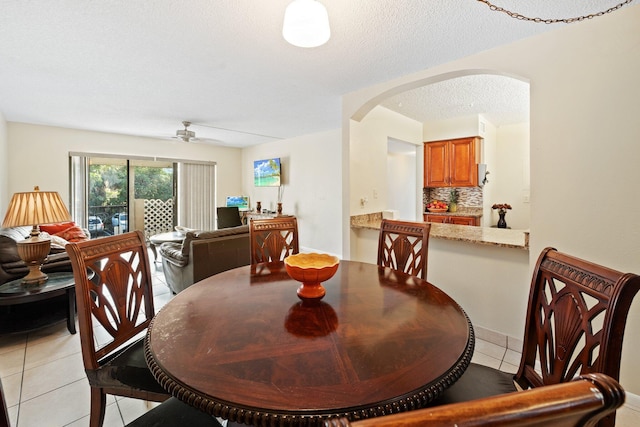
(506, 238)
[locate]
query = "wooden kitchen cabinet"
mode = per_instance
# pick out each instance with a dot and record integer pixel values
(452, 219)
(463, 220)
(452, 163)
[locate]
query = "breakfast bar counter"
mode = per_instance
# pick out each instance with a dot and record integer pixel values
(502, 237)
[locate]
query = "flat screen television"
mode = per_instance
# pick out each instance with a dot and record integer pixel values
(242, 202)
(266, 173)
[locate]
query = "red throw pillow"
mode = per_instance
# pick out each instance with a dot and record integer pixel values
(56, 228)
(73, 234)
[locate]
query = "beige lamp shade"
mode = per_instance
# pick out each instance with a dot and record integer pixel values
(35, 208)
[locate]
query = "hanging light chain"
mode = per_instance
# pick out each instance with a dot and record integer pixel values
(553, 21)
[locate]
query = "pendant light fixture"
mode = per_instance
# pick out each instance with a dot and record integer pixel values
(306, 23)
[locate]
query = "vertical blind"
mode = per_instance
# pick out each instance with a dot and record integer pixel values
(196, 195)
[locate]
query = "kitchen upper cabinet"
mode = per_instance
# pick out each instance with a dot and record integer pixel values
(452, 163)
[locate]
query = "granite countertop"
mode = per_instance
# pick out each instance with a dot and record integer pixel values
(506, 238)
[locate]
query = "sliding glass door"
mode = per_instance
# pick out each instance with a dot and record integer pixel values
(112, 195)
(108, 197)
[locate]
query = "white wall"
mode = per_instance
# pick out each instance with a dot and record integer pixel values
(312, 179)
(490, 159)
(368, 156)
(5, 196)
(510, 177)
(401, 184)
(39, 155)
(459, 127)
(583, 146)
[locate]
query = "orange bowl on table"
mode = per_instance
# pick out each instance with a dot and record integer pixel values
(311, 267)
(311, 270)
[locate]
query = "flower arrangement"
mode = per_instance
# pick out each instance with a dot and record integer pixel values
(502, 207)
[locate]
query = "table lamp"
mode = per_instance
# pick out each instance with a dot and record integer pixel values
(35, 208)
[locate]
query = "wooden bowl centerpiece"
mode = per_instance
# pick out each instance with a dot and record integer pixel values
(311, 270)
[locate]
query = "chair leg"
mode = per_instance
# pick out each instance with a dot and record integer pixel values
(98, 406)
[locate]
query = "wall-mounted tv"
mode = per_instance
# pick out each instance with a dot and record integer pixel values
(266, 173)
(242, 202)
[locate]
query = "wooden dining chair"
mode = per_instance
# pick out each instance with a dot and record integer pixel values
(404, 246)
(575, 325)
(273, 239)
(581, 402)
(113, 291)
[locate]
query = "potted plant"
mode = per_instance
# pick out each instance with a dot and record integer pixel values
(453, 200)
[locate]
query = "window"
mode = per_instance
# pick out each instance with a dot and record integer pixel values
(112, 195)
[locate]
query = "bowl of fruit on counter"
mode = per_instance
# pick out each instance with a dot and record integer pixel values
(437, 206)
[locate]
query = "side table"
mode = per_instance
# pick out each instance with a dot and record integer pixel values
(26, 308)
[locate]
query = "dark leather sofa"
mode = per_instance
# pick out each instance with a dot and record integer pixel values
(204, 253)
(12, 267)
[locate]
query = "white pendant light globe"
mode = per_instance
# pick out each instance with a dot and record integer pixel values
(306, 23)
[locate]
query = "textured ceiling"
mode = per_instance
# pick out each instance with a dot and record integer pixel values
(140, 67)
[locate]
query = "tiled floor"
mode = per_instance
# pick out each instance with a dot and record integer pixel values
(45, 384)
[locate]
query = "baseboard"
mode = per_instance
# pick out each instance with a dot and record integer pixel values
(632, 401)
(498, 338)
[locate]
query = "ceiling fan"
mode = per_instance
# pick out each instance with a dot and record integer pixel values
(185, 134)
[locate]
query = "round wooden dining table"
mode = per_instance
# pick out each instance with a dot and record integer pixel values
(242, 346)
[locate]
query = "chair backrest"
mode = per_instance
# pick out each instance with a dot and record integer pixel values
(273, 239)
(114, 290)
(228, 217)
(404, 246)
(576, 318)
(582, 402)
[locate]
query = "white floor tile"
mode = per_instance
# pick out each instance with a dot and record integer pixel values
(45, 351)
(112, 418)
(50, 376)
(52, 332)
(512, 357)
(626, 417)
(508, 367)
(161, 300)
(12, 386)
(13, 415)
(56, 408)
(134, 408)
(12, 362)
(490, 349)
(483, 359)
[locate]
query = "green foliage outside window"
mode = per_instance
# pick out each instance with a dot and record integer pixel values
(153, 183)
(108, 184)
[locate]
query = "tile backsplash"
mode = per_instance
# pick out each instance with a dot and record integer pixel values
(468, 196)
